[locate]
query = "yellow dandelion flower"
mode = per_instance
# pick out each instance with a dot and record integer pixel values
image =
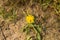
(30, 19)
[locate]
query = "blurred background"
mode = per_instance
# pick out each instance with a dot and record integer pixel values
(12, 18)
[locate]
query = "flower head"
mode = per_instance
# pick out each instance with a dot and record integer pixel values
(30, 19)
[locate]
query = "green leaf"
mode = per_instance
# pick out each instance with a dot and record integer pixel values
(38, 37)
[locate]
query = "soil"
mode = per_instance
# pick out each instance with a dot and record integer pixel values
(48, 18)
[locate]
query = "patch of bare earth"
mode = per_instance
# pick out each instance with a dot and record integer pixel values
(50, 25)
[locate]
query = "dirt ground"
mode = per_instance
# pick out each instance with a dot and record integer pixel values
(49, 20)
